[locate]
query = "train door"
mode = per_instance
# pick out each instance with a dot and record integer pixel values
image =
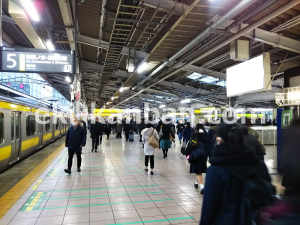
(41, 131)
(15, 136)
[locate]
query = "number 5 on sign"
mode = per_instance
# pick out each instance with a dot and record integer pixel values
(10, 59)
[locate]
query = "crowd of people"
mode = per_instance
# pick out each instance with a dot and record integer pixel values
(238, 187)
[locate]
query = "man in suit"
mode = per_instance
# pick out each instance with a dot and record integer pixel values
(75, 140)
(96, 132)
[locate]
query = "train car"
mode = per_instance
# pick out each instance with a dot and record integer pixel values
(21, 133)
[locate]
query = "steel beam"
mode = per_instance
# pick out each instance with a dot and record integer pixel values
(103, 44)
(89, 66)
(134, 21)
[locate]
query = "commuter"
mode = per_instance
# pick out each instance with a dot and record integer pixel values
(188, 132)
(180, 129)
(126, 129)
(251, 138)
(119, 129)
(165, 139)
(237, 183)
(107, 129)
(287, 211)
(173, 130)
(198, 166)
(96, 132)
(212, 137)
(149, 150)
(141, 128)
(89, 124)
(75, 140)
(83, 124)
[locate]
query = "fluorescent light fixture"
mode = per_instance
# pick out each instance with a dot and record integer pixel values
(162, 106)
(194, 76)
(184, 101)
(68, 79)
(142, 67)
(31, 10)
(112, 98)
(50, 45)
(121, 89)
(209, 79)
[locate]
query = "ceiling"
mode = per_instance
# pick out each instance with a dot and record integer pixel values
(161, 33)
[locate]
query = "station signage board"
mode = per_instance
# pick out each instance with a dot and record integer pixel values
(33, 60)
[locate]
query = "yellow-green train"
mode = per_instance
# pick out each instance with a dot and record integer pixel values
(20, 133)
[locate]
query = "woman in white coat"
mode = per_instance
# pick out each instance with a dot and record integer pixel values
(148, 149)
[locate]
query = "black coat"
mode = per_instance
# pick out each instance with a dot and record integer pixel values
(107, 128)
(180, 127)
(75, 139)
(200, 166)
(96, 129)
(166, 130)
(223, 191)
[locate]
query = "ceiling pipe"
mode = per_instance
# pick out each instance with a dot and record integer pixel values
(258, 23)
(229, 15)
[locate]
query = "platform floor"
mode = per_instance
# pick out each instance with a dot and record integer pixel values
(114, 189)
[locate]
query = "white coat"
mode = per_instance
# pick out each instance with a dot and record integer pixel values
(148, 149)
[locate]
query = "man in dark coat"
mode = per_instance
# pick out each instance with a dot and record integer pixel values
(75, 140)
(96, 132)
(141, 127)
(107, 129)
(127, 128)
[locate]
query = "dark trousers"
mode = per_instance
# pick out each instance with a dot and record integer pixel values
(70, 161)
(95, 142)
(127, 135)
(118, 135)
(151, 161)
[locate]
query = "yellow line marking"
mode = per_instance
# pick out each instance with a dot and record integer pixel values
(53, 173)
(34, 201)
(13, 195)
(37, 184)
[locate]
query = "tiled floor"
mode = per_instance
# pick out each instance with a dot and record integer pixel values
(113, 189)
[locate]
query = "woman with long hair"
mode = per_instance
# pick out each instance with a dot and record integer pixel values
(165, 142)
(199, 166)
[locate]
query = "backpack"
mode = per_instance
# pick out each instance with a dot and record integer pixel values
(197, 153)
(257, 194)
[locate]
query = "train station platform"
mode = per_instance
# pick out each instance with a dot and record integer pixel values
(112, 188)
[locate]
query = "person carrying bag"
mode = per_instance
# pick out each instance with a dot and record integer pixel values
(150, 139)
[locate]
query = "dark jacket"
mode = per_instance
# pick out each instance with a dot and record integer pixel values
(127, 127)
(212, 138)
(166, 130)
(119, 127)
(84, 124)
(187, 134)
(96, 129)
(75, 138)
(200, 166)
(107, 128)
(224, 191)
(180, 128)
(141, 127)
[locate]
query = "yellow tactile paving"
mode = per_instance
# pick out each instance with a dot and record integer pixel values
(13, 195)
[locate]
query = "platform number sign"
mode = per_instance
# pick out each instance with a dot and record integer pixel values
(279, 98)
(36, 60)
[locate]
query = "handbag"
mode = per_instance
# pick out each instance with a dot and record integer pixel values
(183, 152)
(197, 153)
(152, 140)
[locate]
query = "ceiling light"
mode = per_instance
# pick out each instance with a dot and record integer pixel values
(185, 101)
(142, 67)
(31, 10)
(50, 45)
(68, 79)
(112, 98)
(121, 89)
(162, 106)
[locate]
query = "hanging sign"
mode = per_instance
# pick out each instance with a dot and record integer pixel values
(279, 98)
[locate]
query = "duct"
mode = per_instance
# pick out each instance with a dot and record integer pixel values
(168, 5)
(232, 13)
(19, 16)
(258, 23)
(68, 21)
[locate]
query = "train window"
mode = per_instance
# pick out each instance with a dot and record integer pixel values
(30, 125)
(1, 128)
(47, 125)
(57, 124)
(12, 127)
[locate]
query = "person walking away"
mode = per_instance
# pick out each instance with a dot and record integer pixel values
(287, 210)
(149, 150)
(165, 142)
(83, 124)
(237, 182)
(96, 132)
(126, 129)
(212, 138)
(141, 128)
(107, 129)
(75, 140)
(173, 130)
(187, 132)
(180, 129)
(119, 129)
(199, 166)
